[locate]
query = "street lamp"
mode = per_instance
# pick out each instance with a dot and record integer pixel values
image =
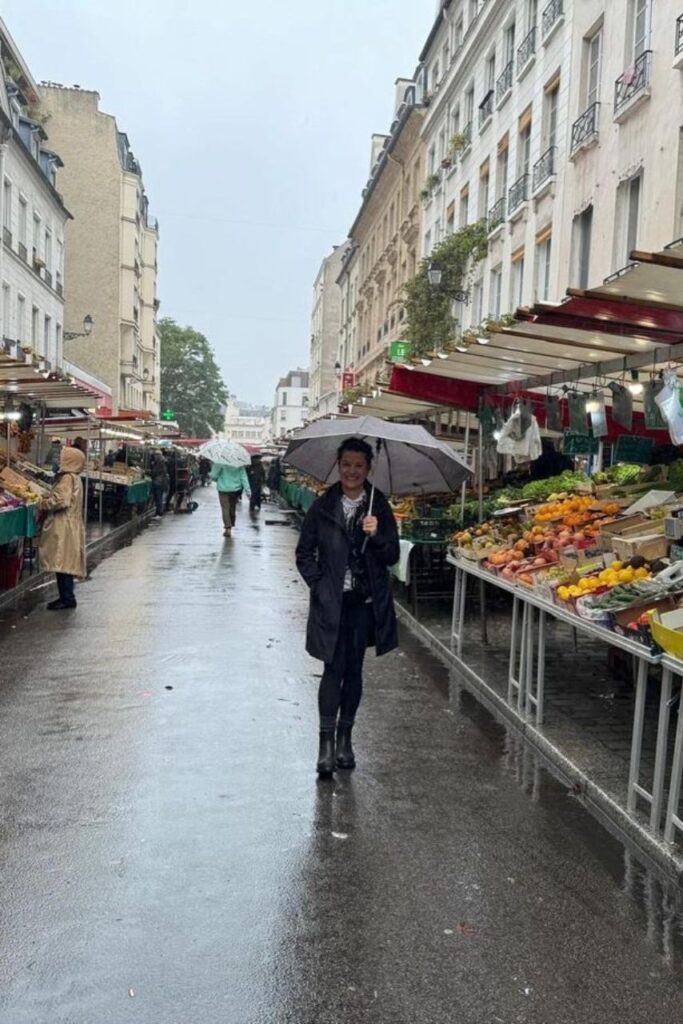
(88, 324)
(434, 275)
(461, 295)
(145, 374)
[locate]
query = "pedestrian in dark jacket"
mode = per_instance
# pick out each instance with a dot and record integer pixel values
(257, 479)
(344, 554)
(158, 471)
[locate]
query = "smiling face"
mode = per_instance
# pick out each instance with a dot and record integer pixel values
(353, 472)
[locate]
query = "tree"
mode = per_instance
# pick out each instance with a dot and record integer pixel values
(191, 383)
(429, 323)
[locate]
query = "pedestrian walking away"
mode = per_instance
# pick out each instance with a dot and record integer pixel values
(344, 553)
(158, 471)
(230, 482)
(257, 479)
(204, 470)
(61, 547)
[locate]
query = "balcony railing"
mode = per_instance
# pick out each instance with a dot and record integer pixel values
(59, 287)
(467, 136)
(7, 236)
(47, 277)
(585, 128)
(486, 108)
(527, 49)
(504, 83)
(551, 16)
(23, 252)
(633, 82)
(497, 214)
(518, 194)
(679, 35)
(544, 169)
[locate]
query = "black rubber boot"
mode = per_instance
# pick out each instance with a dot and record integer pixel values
(326, 754)
(345, 757)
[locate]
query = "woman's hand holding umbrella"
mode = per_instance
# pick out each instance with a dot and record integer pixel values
(370, 525)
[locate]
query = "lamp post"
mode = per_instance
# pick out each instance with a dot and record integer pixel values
(88, 324)
(434, 275)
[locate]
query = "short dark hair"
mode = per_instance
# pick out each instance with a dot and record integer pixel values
(354, 444)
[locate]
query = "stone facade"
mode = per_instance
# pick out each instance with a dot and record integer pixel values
(384, 241)
(111, 255)
(244, 428)
(32, 214)
(325, 326)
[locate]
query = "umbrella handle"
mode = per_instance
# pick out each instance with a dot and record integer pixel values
(367, 538)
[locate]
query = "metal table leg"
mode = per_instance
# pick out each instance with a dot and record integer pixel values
(526, 677)
(672, 821)
(637, 740)
(513, 683)
(535, 700)
(660, 754)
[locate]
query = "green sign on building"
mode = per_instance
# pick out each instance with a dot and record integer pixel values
(399, 351)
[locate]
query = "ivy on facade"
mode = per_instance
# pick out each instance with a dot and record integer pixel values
(429, 322)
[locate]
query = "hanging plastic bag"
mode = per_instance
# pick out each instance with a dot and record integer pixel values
(526, 448)
(670, 406)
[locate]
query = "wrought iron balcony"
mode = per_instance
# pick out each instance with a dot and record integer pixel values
(7, 236)
(551, 15)
(585, 128)
(23, 252)
(496, 214)
(527, 49)
(486, 108)
(679, 35)
(47, 277)
(634, 82)
(518, 194)
(504, 82)
(544, 169)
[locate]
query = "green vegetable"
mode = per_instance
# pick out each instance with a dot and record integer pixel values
(675, 475)
(539, 490)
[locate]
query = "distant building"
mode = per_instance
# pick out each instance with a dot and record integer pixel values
(33, 216)
(291, 403)
(325, 327)
(111, 256)
(245, 428)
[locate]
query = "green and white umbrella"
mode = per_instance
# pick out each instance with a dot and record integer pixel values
(225, 453)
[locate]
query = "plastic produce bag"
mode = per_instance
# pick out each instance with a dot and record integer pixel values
(526, 448)
(670, 406)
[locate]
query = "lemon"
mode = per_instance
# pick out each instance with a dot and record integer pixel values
(563, 593)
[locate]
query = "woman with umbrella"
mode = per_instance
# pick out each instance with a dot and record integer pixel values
(229, 473)
(344, 553)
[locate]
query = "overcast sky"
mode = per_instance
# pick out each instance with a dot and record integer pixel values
(252, 123)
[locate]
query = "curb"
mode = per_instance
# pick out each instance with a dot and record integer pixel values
(658, 855)
(96, 551)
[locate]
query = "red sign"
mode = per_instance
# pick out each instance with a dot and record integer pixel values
(348, 379)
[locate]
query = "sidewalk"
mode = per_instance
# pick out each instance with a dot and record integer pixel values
(168, 856)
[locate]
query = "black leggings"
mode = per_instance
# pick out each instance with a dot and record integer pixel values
(341, 686)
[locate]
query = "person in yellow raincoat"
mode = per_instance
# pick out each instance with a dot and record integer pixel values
(62, 540)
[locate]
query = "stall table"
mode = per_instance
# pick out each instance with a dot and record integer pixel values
(527, 644)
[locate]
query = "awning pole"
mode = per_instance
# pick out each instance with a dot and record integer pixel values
(87, 470)
(101, 484)
(466, 456)
(480, 470)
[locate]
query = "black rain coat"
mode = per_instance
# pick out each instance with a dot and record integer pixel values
(322, 556)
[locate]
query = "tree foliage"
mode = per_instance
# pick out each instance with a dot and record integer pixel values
(191, 383)
(429, 323)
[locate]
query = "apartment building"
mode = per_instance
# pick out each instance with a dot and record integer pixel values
(325, 327)
(496, 78)
(33, 216)
(384, 239)
(623, 163)
(290, 410)
(111, 258)
(245, 427)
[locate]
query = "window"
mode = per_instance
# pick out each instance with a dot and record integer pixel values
(490, 77)
(446, 56)
(464, 206)
(48, 249)
(34, 327)
(459, 32)
(531, 14)
(284, 398)
(517, 282)
(550, 115)
(627, 219)
(639, 17)
(437, 231)
(495, 292)
(58, 344)
(509, 44)
(450, 218)
(474, 10)
(5, 310)
(582, 227)
(435, 76)
(36, 235)
(469, 105)
(543, 248)
(7, 210)
(592, 65)
(23, 221)
(442, 145)
(502, 165)
(455, 121)
(21, 318)
(47, 325)
(476, 303)
(484, 181)
(431, 160)
(427, 243)
(524, 145)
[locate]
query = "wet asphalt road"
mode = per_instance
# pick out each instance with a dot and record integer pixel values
(167, 856)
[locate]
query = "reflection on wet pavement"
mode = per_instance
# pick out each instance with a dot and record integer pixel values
(164, 834)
